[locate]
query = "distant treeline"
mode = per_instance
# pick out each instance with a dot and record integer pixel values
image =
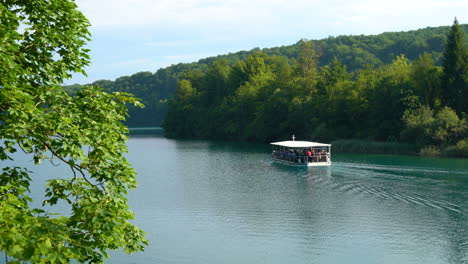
(354, 52)
(388, 88)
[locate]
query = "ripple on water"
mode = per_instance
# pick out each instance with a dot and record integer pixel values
(373, 180)
(203, 203)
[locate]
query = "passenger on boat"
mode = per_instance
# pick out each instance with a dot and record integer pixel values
(323, 155)
(309, 155)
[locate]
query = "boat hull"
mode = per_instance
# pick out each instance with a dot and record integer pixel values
(302, 164)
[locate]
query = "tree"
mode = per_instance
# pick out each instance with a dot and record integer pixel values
(41, 44)
(387, 102)
(184, 90)
(447, 127)
(418, 123)
(455, 75)
(216, 82)
(308, 59)
(426, 78)
(330, 75)
(423, 127)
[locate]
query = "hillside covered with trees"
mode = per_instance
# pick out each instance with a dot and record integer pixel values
(395, 87)
(356, 53)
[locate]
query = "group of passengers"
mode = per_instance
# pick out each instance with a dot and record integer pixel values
(300, 156)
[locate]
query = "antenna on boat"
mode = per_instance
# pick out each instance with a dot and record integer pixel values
(293, 137)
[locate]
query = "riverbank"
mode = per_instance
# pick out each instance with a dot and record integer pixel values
(365, 146)
(361, 146)
(135, 131)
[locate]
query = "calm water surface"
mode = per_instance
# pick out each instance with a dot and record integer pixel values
(216, 202)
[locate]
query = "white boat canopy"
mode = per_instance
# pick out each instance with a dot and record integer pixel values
(299, 144)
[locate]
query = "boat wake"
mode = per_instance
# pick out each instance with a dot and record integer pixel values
(411, 185)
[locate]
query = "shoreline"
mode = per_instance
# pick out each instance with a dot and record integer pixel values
(345, 145)
(396, 148)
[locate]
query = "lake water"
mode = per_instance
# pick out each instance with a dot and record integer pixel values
(217, 202)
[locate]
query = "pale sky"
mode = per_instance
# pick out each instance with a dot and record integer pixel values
(129, 36)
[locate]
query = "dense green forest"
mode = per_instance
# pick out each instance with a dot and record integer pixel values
(355, 52)
(395, 87)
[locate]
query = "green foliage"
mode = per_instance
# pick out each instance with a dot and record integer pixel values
(418, 124)
(365, 146)
(462, 145)
(447, 127)
(455, 75)
(387, 87)
(458, 150)
(430, 151)
(425, 128)
(307, 63)
(184, 90)
(41, 44)
(266, 98)
(388, 99)
(303, 58)
(426, 77)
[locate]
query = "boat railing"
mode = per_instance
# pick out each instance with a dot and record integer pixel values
(291, 157)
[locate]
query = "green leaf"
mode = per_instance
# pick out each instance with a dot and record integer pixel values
(83, 132)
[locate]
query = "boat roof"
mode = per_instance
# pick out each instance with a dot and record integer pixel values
(299, 144)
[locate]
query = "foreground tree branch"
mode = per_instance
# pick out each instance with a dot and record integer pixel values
(41, 44)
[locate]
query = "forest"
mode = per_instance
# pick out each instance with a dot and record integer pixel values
(264, 98)
(356, 52)
(392, 87)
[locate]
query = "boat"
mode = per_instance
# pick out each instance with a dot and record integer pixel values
(301, 153)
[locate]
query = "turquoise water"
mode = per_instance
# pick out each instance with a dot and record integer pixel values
(218, 202)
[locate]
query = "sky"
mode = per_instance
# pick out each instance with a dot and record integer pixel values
(130, 36)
